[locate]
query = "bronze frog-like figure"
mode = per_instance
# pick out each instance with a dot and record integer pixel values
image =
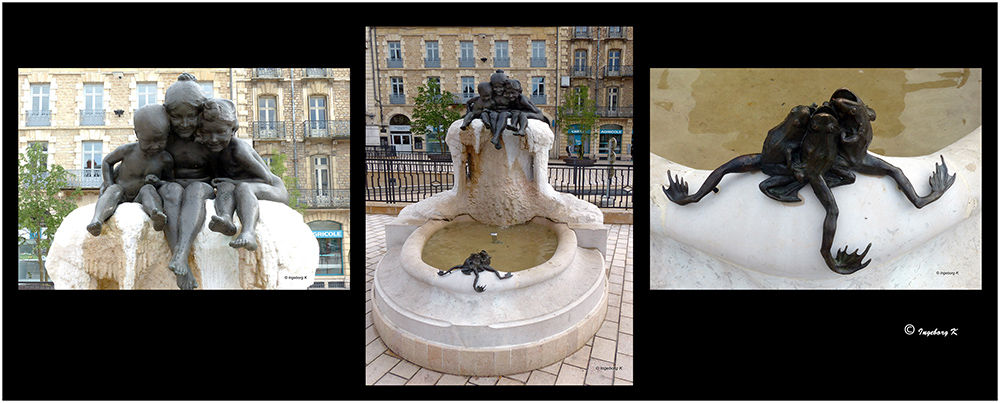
(822, 147)
(475, 264)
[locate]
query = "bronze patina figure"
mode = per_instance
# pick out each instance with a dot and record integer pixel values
(475, 264)
(821, 147)
(185, 155)
(501, 99)
(139, 169)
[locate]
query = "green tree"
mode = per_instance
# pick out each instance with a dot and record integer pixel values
(433, 112)
(41, 203)
(278, 168)
(580, 112)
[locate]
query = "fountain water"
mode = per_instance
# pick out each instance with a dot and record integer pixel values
(543, 313)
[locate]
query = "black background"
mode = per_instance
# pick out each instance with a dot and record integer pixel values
(689, 345)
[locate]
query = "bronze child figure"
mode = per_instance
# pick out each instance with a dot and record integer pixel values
(144, 166)
(242, 177)
(821, 147)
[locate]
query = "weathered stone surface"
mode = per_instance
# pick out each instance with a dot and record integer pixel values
(512, 190)
(712, 243)
(129, 254)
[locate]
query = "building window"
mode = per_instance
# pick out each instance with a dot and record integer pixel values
(467, 57)
(612, 99)
(39, 113)
(145, 94)
(27, 266)
(93, 105)
(92, 157)
(321, 174)
(317, 116)
(397, 96)
(395, 55)
(616, 32)
(614, 62)
(580, 63)
(501, 56)
(266, 125)
(206, 86)
(330, 236)
(538, 90)
(433, 57)
(266, 109)
(538, 54)
(468, 88)
(44, 145)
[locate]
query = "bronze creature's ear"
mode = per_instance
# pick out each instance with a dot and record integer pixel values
(871, 113)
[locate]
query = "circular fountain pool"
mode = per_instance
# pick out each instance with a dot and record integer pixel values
(536, 317)
(512, 249)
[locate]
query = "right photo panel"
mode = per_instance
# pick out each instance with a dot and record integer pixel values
(814, 178)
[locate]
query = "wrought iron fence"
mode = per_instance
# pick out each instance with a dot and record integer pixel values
(92, 117)
(89, 178)
(327, 128)
(37, 118)
(268, 130)
(393, 180)
(393, 177)
(326, 198)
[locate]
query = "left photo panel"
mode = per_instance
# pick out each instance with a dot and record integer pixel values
(184, 178)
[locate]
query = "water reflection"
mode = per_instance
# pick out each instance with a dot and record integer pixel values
(704, 117)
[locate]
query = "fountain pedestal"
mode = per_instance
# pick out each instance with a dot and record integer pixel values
(533, 319)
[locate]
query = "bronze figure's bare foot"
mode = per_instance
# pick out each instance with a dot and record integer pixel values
(246, 240)
(159, 220)
(847, 263)
(95, 228)
(185, 279)
(222, 225)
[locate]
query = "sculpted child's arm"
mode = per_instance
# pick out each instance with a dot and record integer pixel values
(110, 160)
(254, 165)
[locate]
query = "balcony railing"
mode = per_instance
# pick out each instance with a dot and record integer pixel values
(432, 62)
(328, 198)
(539, 99)
(466, 62)
(501, 62)
(265, 72)
(398, 99)
(37, 118)
(539, 62)
(262, 130)
(327, 128)
(317, 73)
(618, 71)
(394, 63)
(614, 111)
(580, 71)
(89, 178)
(582, 33)
(92, 117)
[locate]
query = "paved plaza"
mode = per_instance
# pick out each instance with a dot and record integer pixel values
(605, 360)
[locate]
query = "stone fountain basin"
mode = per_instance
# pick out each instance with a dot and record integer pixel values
(539, 316)
(418, 269)
(740, 238)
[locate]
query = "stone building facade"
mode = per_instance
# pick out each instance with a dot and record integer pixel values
(548, 61)
(81, 115)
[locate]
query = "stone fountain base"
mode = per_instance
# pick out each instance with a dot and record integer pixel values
(539, 316)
